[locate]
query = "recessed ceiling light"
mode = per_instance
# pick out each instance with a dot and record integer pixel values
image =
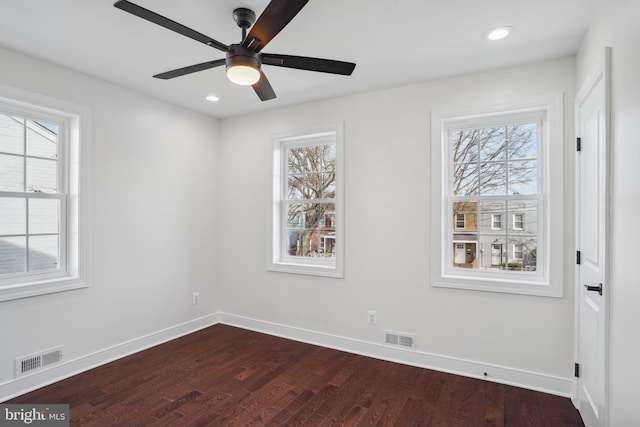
(212, 98)
(499, 33)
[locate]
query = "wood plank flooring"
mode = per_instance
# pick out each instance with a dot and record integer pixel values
(226, 376)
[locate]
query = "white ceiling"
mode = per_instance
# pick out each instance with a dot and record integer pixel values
(393, 42)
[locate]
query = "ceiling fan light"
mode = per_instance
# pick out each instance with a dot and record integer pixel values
(244, 75)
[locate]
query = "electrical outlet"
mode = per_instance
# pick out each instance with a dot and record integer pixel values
(372, 317)
(195, 298)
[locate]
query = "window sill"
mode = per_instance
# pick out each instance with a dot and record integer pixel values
(32, 289)
(501, 285)
(311, 270)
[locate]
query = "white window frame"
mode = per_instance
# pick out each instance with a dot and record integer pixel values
(547, 279)
(74, 154)
(519, 221)
(464, 221)
(517, 250)
(279, 260)
(494, 221)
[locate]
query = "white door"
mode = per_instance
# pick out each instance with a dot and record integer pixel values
(592, 291)
(496, 254)
(460, 254)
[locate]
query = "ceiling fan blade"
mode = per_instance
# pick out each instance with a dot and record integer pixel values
(311, 64)
(150, 16)
(190, 69)
(263, 88)
(275, 17)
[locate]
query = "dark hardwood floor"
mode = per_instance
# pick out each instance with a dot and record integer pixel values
(226, 376)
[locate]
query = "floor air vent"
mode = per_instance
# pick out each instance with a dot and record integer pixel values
(400, 339)
(34, 362)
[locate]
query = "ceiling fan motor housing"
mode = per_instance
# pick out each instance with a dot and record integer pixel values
(239, 55)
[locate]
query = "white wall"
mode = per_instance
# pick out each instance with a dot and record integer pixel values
(152, 183)
(387, 146)
(618, 25)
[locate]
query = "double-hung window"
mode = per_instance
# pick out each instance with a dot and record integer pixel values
(496, 221)
(518, 221)
(33, 197)
(494, 167)
(307, 221)
(40, 237)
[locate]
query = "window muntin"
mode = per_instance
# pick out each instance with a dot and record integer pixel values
(43, 198)
(307, 219)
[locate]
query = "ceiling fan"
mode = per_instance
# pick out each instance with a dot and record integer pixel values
(244, 60)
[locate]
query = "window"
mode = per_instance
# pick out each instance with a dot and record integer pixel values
(518, 221)
(42, 243)
(496, 221)
(307, 226)
(517, 252)
(493, 164)
(494, 168)
(32, 196)
(327, 221)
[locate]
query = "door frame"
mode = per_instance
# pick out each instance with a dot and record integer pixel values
(601, 72)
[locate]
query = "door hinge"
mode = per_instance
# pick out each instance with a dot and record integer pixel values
(578, 144)
(578, 256)
(576, 370)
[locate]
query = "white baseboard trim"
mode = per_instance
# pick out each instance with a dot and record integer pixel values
(469, 368)
(499, 374)
(22, 385)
